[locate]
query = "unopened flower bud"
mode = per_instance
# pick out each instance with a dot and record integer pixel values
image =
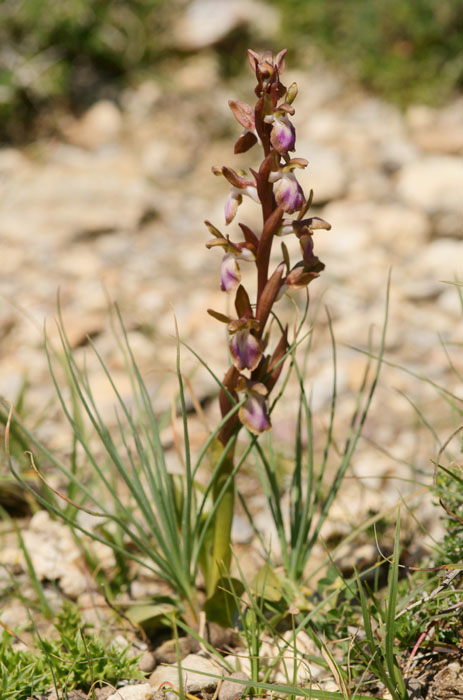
(291, 93)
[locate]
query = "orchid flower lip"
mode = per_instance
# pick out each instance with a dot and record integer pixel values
(283, 135)
(246, 349)
(289, 194)
(230, 273)
(254, 413)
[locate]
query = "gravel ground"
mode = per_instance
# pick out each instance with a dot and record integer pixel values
(113, 210)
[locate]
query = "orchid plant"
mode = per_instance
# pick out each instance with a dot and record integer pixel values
(255, 367)
(173, 524)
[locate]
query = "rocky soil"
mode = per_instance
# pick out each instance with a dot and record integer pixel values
(112, 210)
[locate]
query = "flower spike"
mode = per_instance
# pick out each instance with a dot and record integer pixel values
(275, 187)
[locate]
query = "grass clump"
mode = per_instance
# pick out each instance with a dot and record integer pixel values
(74, 658)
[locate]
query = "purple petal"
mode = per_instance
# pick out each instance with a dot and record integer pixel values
(283, 136)
(254, 415)
(246, 350)
(306, 242)
(231, 206)
(230, 273)
(288, 194)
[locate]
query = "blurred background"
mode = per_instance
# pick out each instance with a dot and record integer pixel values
(69, 54)
(111, 114)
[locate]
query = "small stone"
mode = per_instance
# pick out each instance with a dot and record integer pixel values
(450, 302)
(206, 22)
(442, 259)
(143, 691)
(242, 532)
(422, 289)
(70, 695)
(326, 173)
(402, 229)
(138, 102)
(448, 224)
(433, 183)
(396, 153)
(193, 668)
(233, 691)
(448, 683)
(99, 126)
(437, 130)
(147, 662)
(200, 70)
(11, 161)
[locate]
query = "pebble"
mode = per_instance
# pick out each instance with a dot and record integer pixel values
(193, 679)
(242, 532)
(233, 691)
(147, 662)
(117, 210)
(98, 127)
(55, 555)
(207, 22)
(142, 691)
(326, 173)
(441, 258)
(433, 183)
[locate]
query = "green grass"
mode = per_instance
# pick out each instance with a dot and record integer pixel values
(74, 657)
(275, 605)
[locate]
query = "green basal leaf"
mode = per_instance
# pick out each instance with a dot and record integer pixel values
(267, 585)
(150, 616)
(221, 607)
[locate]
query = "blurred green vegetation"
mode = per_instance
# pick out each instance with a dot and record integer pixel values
(71, 52)
(405, 50)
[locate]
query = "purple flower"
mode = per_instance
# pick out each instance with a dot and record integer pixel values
(245, 348)
(253, 414)
(240, 185)
(283, 135)
(288, 193)
(230, 274)
(230, 271)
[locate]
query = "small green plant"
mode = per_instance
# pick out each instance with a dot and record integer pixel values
(76, 658)
(23, 674)
(79, 658)
(379, 650)
(449, 487)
